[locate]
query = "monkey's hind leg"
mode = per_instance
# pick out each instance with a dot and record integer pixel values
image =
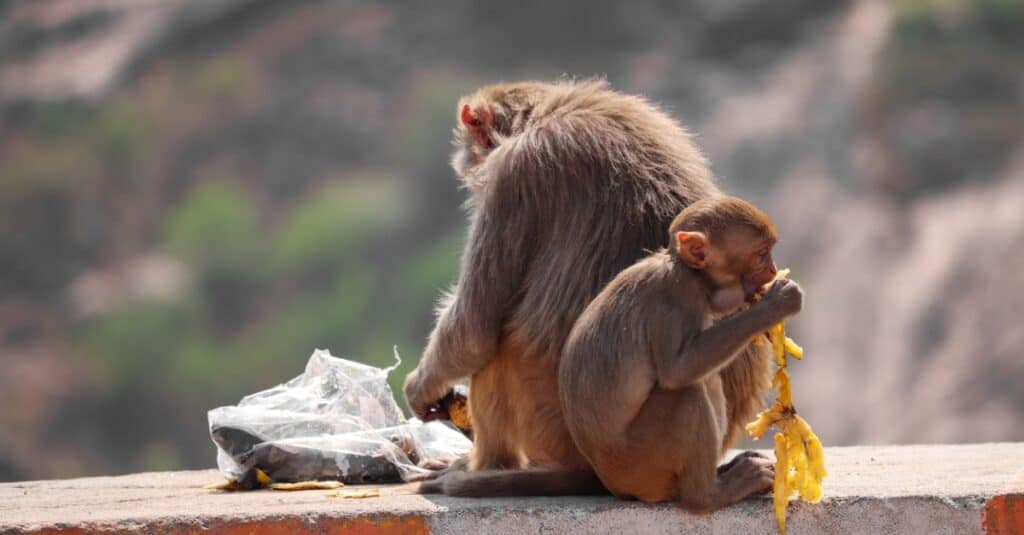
(495, 436)
(703, 487)
(492, 449)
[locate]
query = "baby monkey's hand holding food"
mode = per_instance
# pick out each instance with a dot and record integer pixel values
(783, 296)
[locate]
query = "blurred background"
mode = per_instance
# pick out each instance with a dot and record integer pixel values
(195, 194)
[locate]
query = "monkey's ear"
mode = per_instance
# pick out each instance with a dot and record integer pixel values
(469, 118)
(693, 248)
(478, 123)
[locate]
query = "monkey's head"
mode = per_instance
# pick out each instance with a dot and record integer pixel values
(489, 116)
(730, 242)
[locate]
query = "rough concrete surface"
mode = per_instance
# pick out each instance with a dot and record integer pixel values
(873, 490)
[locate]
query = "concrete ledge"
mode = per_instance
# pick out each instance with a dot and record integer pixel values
(872, 490)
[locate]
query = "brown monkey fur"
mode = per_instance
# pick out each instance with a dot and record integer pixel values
(658, 374)
(570, 183)
(654, 379)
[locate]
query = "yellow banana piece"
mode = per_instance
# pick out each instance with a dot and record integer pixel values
(764, 420)
(793, 349)
(799, 455)
(779, 490)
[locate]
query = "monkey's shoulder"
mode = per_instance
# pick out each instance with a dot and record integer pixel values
(646, 274)
(654, 284)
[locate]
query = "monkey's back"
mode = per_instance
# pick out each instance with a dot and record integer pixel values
(588, 187)
(602, 174)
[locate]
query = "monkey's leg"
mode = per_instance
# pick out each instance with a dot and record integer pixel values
(694, 442)
(544, 436)
(702, 488)
(492, 448)
(495, 436)
(671, 440)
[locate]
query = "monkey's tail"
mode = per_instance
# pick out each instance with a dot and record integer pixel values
(522, 482)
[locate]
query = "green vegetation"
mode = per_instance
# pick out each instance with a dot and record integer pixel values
(327, 227)
(215, 226)
(223, 78)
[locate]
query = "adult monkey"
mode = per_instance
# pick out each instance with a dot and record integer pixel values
(570, 183)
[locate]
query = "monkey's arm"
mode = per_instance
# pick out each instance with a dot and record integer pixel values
(469, 325)
(470, 319)
(524, 184)
(708, 351)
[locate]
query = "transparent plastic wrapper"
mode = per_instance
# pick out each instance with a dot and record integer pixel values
(337, 421)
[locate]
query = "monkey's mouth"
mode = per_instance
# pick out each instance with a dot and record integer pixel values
(755, 287)
(751, 292)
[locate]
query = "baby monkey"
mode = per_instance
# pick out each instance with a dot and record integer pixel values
(650, 373)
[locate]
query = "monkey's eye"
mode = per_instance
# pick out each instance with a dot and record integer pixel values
(762, 257)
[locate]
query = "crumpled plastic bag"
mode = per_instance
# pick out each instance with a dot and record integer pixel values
(337, 421)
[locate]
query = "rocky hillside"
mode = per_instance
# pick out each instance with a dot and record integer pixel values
(196, 193)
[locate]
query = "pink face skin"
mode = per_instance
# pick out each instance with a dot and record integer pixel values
(760, 269)
(738, 268)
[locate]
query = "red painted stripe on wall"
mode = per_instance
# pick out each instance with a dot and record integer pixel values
(1004, 515)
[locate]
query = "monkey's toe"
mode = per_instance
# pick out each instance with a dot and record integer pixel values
(742, 455)
(766, 479)
(752, 474)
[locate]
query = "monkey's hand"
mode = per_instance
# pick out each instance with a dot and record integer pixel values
(783, 299)
(423, 392)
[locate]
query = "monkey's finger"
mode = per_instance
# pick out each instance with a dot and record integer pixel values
(766, 483)
(732, 462)
(774, 287)
(762, 461)
(780, 274)
(435, 465)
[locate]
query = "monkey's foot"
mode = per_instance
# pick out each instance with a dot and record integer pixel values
(732, 462)
(751, 474)
(440, 467)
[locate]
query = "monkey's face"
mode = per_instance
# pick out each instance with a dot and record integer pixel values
(739, 268)
(760, 268)
(736, 266)
(487, 118)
